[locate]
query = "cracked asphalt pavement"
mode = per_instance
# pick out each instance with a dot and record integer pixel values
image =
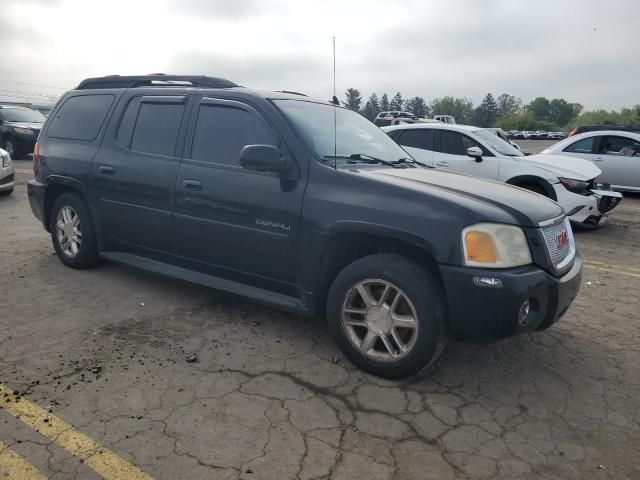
(184, 382)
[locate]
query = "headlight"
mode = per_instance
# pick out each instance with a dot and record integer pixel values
(576, 186)
(493, 245)
(6, 160)
(23, 131)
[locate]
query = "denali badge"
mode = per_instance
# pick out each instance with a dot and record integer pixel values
(270, 224)
(562, 239)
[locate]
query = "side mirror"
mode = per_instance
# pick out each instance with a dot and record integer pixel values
(262, 158)
(475, 152)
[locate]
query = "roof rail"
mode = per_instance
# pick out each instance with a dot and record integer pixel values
(157, 79)
(291, 92)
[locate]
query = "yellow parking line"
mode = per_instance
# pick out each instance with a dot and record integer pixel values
(22, 170)
(14, 467)
(97, 457)
(604, 267)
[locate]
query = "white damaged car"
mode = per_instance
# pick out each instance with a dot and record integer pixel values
(572, 182)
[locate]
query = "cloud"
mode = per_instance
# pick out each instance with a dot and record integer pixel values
(581, 50)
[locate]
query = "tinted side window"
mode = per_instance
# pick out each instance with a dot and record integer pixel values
(128, 121)
(221, 132)
(622, 146)
(382, 123)
(455, 143)
(156, 129)
(81, 117)
(581, 146)
(417, 139)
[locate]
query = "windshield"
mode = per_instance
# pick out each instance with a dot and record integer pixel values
(354, 134)
(498, 144)
(22, 115)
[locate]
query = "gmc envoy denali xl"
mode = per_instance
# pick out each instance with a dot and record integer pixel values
(303, 205)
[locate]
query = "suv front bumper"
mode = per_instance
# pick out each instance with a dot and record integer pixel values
(491, 311)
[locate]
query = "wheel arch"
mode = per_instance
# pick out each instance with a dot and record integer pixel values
(57, 187)
(344, 246)
(521, 180)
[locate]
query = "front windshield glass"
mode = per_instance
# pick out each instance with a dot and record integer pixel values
(498, 144)
(22, 115)
(354, 134)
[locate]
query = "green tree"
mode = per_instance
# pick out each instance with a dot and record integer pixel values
(508, 104)
(562, 112)
(539, 108)
(397, 102)
(460, 108)
(353, 99)
(384, 103)
(486, 113)
(371, 107)
(418, 106)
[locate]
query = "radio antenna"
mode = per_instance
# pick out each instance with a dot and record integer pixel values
(335, 105)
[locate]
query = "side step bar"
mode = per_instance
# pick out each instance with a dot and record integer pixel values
(261, 295)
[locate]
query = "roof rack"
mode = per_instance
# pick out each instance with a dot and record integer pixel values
(157, 79)
(291, 92)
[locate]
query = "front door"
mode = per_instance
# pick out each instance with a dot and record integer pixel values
(134, 173)
(619, 159)
(451, 155)
(229, 220)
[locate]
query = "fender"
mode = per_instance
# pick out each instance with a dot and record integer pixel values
(534, 180)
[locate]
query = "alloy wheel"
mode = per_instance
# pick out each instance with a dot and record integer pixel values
(69, 233)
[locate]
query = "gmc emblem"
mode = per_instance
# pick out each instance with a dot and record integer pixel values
(562, 239)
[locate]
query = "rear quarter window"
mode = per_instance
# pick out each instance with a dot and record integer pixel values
(80, 117)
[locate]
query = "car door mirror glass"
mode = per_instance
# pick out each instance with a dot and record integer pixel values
(262, 158)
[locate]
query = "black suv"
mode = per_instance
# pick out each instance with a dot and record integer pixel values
(303, 205)
(19, 129)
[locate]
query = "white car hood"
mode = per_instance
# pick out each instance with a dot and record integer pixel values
(563, 165)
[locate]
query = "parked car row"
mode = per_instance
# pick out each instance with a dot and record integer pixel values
(309, 207)
(537, 135)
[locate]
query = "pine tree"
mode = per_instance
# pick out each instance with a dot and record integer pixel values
(487, 112)
(371, 107)
(384, 103)
(397, 103)
(353, 99)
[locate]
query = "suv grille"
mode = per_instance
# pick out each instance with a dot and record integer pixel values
(607, 203)
(560, 243)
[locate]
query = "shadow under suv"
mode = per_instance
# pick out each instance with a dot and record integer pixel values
(303, 205)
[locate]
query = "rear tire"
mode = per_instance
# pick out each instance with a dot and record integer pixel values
(388, 315)
(73, 233)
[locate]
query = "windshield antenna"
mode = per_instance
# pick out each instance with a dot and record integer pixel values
(335, 103)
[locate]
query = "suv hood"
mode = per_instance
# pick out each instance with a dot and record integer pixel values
(563, 165)
(495, 201)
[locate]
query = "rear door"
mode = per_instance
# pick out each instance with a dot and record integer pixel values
(418, 142)
(451, 155)
(135, 170)
(619, 159)
(229, 220)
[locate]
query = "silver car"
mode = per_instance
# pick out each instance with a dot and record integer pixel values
(615, 152)
(7, 173)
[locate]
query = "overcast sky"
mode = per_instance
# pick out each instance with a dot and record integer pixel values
(586, 51)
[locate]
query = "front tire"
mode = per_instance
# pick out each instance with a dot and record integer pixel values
(387, 315)
(72, 232)
(13, 148)
(5, 193)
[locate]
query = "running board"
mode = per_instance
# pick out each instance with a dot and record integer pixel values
(259, 294)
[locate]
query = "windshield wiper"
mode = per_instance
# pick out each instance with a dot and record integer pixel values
(363, 157)
(411, 161)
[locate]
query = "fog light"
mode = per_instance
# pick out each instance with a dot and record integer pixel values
(523, 313)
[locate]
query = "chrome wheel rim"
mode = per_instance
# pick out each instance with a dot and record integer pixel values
(68, 231)
(380, 320)
(10, 148)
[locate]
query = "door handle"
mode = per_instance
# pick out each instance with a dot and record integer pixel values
(192, 184)
(106, 169)
(598, 159)
(442, 164)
